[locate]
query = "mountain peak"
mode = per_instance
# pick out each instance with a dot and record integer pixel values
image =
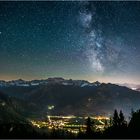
(97, 83)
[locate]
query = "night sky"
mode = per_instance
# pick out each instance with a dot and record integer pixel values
(78, 40)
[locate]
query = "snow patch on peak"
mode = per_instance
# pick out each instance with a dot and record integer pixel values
(84, 84)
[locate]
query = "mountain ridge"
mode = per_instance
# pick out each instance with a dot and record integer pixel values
(53, 80)
(58, 96)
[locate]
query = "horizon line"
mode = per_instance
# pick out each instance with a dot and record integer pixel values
(24, 79)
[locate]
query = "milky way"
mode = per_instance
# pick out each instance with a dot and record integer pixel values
(100, 51)
(93, 43)
(79, 40)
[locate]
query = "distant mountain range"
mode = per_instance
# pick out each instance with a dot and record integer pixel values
(57, 96)
(59, 80)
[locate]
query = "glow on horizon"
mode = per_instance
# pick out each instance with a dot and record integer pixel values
(91, 79)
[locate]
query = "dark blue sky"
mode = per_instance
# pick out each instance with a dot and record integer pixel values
(79, 40)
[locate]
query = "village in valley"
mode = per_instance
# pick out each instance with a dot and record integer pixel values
(73, 124)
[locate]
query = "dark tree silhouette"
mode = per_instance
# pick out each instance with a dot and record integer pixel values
(118, 128)
(122, 121)
(115, 121)
(89, 129)
(134, 125)
(89, 125)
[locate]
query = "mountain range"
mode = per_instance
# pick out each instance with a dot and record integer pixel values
(58, 96)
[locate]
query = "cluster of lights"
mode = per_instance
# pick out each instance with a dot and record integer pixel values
(50, 107)
(62, 117)
(101, 118)
(39, 124)
(73, 131)
(62, 122)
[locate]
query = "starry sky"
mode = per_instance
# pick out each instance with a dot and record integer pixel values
(78, 40)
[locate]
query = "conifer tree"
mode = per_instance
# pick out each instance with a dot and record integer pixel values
(115, 121)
